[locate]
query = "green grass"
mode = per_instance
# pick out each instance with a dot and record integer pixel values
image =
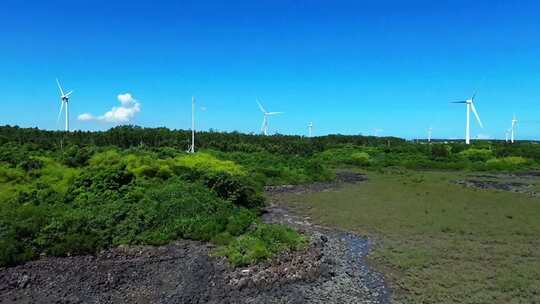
(440, 242)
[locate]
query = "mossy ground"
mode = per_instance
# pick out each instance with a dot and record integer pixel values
(440, 242)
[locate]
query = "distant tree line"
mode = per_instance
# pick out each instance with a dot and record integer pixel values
(133, 136)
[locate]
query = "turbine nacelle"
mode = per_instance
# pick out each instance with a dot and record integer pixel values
(470, 107)
(266, 114)
(64, 99)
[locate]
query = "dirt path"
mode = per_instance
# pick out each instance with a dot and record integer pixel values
(330, 270)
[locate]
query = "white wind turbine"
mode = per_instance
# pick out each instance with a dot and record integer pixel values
(513, 129)
(470, 106)
(310, 129)
(64, 99)
(429, 132)
(506, 133)
(264, 127)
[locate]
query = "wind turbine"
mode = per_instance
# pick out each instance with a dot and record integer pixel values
(266, 114)
(192, 146)
(64, 99)
(429, 132)
(506, 133)
(470, 106)
(513, 129)
(310, 129)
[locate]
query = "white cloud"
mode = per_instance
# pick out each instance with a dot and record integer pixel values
(85, 117)
(124, 113)
(483, 136)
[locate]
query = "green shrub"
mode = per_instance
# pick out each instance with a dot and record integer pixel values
(32, 164)
(247, 249)
(207, 163)
(507, 163)
(75, 156)
(440, 151)
(237, 189)
(360, 159)
(265, 241)
(240, 221)
(10, 175)
(477, 155)
(104, 159)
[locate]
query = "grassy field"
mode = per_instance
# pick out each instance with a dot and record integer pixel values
(439, 242)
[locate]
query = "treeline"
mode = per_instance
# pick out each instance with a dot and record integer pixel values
(125, 137)
(134, 136)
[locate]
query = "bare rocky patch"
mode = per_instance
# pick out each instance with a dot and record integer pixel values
(512, 182)
(344, 177)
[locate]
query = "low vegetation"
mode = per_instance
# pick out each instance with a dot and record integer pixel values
(440, 242)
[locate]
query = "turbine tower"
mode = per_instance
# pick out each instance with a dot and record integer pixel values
(266, 114)
(310, 129)
(192, 146)
(470, 106)
(429, 132)
(506, 133)
(513, 129)
(64, 99)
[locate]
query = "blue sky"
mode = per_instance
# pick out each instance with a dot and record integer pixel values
(348, 66)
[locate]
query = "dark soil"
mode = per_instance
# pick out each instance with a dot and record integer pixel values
(341, 178)
(518, 187)
(330, 270)
(183, 272)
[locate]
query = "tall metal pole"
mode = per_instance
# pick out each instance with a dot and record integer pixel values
(193, 124)
(468, 129)
(512, 135)
(67, 115)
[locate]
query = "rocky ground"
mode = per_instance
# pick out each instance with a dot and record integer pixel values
(346, 277)
(331, 270)
(523, 182)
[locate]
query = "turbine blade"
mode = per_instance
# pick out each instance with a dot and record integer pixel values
(273, 113)
(60, 113)
(476, 115)
(260, 106)
(60, 87)
(463, 101)
(473, 96)
(70, 92)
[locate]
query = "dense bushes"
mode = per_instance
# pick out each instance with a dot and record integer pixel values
(434, 156)
(135, 196)
(507, 163)
(108, 206)
(274, 169)
(476, 155)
